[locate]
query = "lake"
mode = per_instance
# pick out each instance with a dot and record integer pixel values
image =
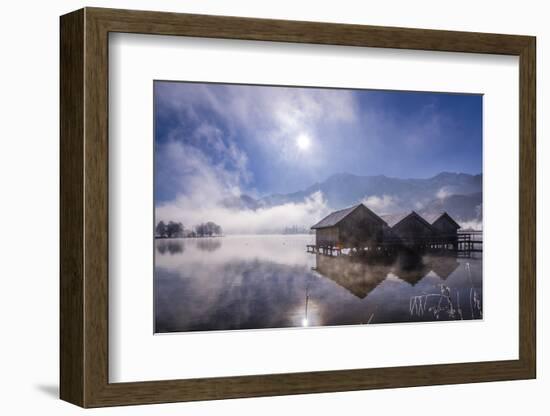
(270, 281)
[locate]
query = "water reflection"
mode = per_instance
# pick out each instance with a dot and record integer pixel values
(252, 282)
(444, 266)
(360, 276)
(170, 246)
(411, 267)
(354, 274)
(209, 244)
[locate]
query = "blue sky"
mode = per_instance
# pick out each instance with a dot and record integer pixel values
(258, 140)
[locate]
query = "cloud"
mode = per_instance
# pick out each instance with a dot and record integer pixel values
(273, 116)
(183, 169)
(443, 193)
(191, 210)
(471, 225)
(202, 157)
(418, 205)
(202, 177)
(202, 168)
(382, 204)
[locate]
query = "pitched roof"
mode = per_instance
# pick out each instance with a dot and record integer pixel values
(334, 218)
(432, 218)
(393, 219)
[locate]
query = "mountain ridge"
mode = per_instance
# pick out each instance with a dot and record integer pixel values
(458, 193)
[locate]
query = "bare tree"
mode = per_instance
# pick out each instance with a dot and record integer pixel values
(174, 229)
(208, 229)
(161, 230)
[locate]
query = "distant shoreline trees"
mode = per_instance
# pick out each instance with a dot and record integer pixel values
(208, 229)
(177, 230)
(295, 229)
(170, 230)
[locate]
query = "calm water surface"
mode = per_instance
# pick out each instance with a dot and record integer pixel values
(252, 282)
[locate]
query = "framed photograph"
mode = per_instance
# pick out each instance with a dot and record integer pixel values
(255, 207)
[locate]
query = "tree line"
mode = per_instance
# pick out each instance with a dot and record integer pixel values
(177, 230)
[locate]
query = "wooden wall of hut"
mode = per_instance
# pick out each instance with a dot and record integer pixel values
(412, 228)
(445, 226)
(327, 236)
(360, 229)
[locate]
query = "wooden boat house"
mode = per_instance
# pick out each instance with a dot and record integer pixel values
(360, 229)
(443, 223)
(356, 226)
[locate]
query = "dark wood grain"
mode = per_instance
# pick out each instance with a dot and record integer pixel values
(96, 220)
(527, 208)
(225, 27)
(71, 100)
(84, 207)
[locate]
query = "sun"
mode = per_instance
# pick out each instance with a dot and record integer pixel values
(303, 142)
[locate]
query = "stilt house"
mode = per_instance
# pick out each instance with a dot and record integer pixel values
(356, 226)
(443, 223)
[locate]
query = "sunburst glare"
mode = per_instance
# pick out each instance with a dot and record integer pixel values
(303, 142)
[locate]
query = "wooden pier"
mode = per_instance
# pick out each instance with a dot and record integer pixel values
(462, 243)
(324, 250)
(469, 242)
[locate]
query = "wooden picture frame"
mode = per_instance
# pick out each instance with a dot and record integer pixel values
(84, 207)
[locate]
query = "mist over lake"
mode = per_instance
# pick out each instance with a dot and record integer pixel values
(270, 281)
